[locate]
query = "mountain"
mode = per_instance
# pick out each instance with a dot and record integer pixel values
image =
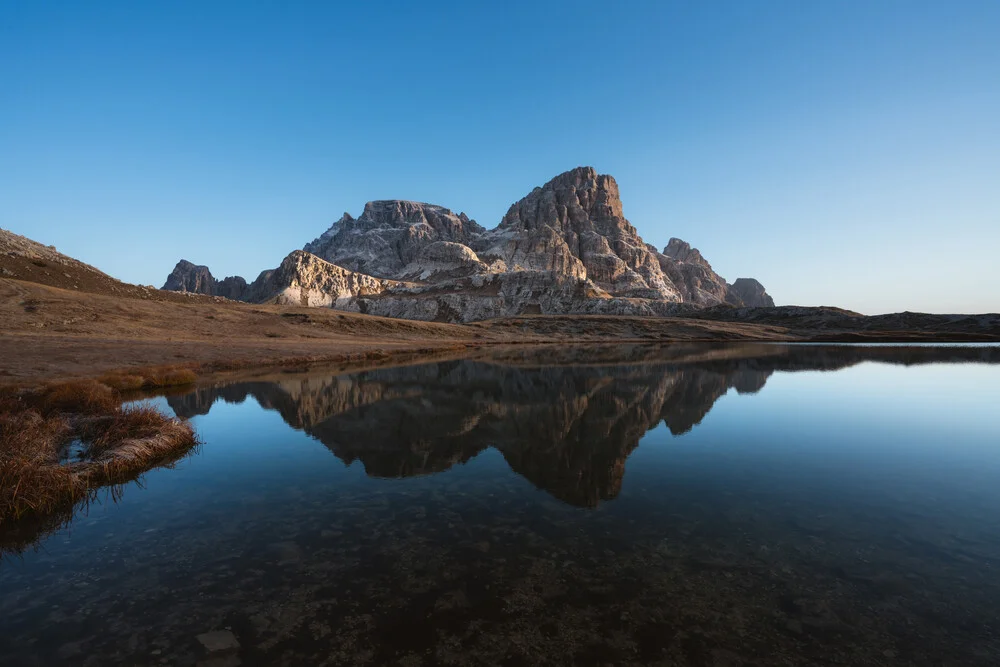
(197, 279)
(565, 248)
(751, 293)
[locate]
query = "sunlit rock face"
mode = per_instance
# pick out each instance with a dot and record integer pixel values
(565, 248)
(574, 225)
(390, 235)
(303, 279)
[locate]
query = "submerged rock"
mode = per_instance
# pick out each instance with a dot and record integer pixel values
(219, 640)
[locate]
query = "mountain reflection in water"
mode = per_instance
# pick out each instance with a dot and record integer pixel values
(567, 426)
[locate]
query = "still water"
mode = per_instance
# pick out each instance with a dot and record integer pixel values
(684, 505)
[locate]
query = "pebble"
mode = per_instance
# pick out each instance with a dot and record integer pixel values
(219, 640)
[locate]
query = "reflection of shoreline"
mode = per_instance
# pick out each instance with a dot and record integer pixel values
(566, 427)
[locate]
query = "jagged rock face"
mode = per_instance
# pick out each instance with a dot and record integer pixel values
(303, 279)
(232, 287)
(749, 292)
(566, 248)
(197, 279)
(488, 295)
(189, 277)
(692, 274)
(444, 260)
(574, 225)
(389, 235)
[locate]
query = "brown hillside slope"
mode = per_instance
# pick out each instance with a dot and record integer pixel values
(61, 318)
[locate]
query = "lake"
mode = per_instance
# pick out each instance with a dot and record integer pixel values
(718, 505)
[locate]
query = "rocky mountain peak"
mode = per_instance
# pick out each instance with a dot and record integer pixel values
(751, 293)
(574, 225)
(190, 277)
(683, 252)
(578, 199)
(196, 278)
(566, 247)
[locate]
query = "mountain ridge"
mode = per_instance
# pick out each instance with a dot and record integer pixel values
(564, 248)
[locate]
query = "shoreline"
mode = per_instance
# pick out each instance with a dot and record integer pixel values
(51, 333)
(31, 361)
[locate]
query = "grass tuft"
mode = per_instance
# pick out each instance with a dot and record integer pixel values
(120, 443)
(78, 396)
(121, 381)
(149, 378)
(172, 377)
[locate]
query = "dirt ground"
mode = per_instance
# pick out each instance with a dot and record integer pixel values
(52, 332)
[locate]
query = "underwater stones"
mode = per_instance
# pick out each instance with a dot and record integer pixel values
(219, 640)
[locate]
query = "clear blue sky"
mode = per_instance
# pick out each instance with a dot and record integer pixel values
(843, 153)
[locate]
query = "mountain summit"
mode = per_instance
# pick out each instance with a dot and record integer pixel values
(566, 247)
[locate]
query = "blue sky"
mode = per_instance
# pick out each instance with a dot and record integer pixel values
(843, 153)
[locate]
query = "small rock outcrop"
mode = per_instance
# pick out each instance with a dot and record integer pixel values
(750, 293)
(692, 274)
(302, 279)
(190, 277)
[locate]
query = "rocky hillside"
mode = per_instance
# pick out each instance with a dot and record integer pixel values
(565, 248)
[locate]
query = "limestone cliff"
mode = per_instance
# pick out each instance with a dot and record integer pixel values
(303, 279)
(565, 248)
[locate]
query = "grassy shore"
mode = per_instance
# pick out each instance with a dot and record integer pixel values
(39, 486)
(116, 443)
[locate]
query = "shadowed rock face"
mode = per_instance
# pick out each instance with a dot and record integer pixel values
(564, 248)
(188, 277)
(749, 292)
(566, 428)
(692, 274)
(197, 279)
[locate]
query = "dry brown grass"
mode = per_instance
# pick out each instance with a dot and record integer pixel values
(77, 396)
(120, 444)
(135, 433)
(31, 479)
(149, 378)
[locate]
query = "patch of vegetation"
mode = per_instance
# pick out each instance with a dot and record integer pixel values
(120, 443)
(149, 378)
